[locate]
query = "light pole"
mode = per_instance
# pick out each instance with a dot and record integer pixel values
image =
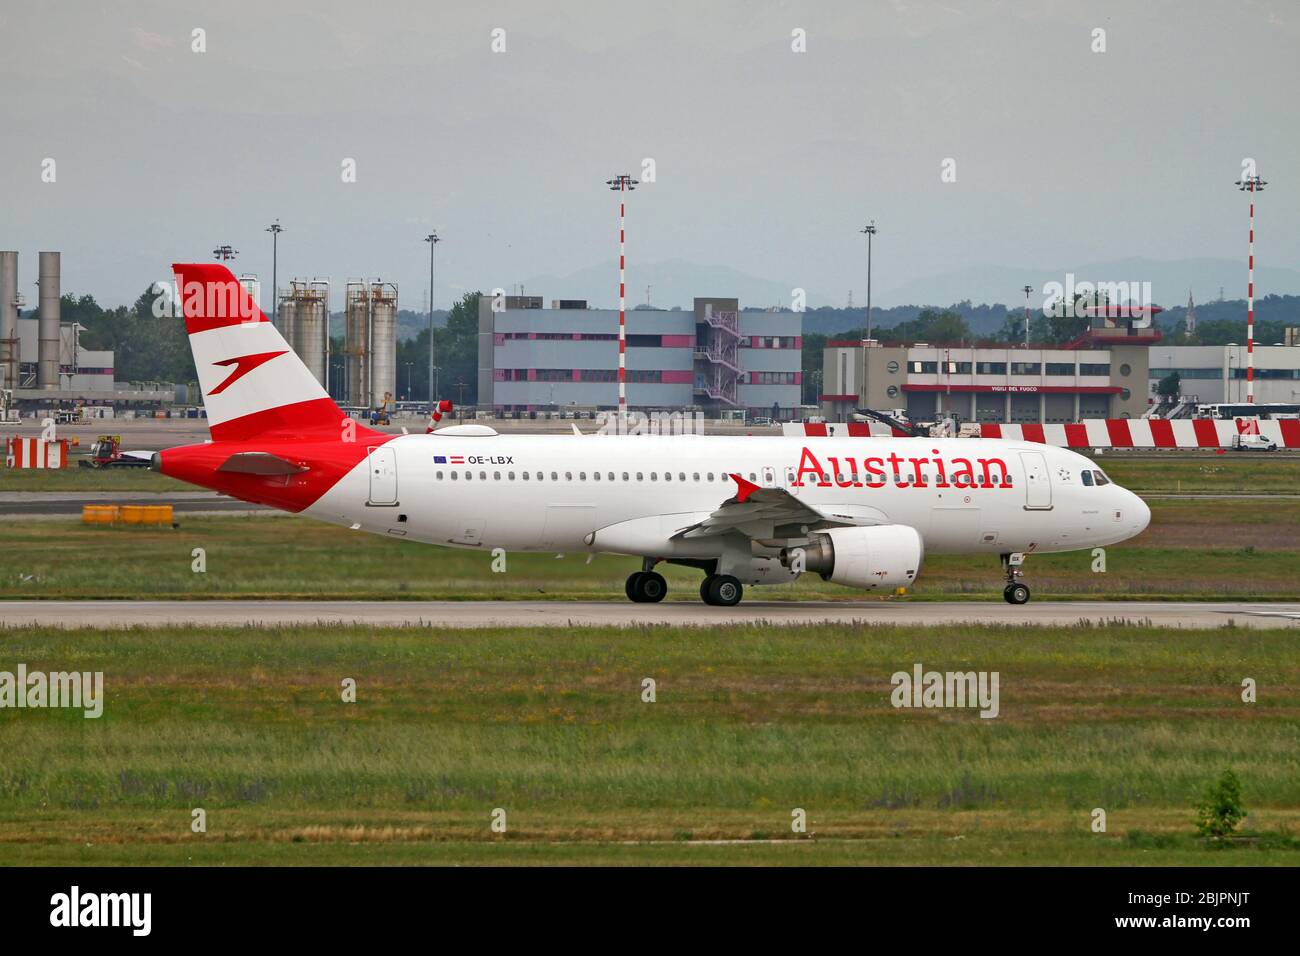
(622, 183)
(1027, 290)
(275, 229)
(409, 366)
(1252, 185)
(433, 240)
(224, 253)
(869, 230)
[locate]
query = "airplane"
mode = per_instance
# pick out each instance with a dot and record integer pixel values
(743, 510)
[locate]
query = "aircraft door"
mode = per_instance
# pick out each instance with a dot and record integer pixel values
(383, 476)
(1038, 483)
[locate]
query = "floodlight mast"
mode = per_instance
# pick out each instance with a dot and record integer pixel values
(622, 183)
(1251, 185)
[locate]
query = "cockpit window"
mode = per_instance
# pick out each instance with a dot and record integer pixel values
(1101, 478)
(1087, 478)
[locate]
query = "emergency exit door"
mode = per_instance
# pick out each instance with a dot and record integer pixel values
(1038, 484)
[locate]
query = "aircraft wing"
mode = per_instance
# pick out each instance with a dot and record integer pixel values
(763, 513)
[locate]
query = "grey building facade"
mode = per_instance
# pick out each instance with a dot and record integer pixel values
(714, 357)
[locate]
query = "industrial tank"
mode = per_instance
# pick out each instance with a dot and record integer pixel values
(383, 343)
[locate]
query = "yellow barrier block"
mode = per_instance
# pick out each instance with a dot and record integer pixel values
(99, 514)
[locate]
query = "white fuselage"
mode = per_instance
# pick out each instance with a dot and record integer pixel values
(630, 494)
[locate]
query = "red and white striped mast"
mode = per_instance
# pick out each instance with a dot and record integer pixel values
(1252, 185)
(622, 183)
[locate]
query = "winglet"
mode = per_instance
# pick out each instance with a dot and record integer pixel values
(743, 488)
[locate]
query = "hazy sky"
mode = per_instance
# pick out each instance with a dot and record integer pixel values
(768, 161)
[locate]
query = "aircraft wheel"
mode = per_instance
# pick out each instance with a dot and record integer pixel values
(1016, 594)
(651, 588)
(632, 587)
(722, 590)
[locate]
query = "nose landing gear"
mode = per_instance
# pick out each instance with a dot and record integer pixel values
(1015, 592)
(646, 586)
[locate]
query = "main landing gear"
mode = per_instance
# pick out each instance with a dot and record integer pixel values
(1015, 592)
(721, 590)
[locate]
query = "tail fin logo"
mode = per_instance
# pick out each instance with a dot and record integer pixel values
(243, 365)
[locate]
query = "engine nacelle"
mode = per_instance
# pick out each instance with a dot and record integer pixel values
(882, 556)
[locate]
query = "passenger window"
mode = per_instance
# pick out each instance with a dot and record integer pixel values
(568, 476)
(654, 476)
(541, 475)
(512, 476)
(697, 476)
(525, 475)
(1087, 478)
(440, 476)
(640, 476)
(625, 476)
(555, 476)
(496, 476)
(710, 476)
(611, 476)
(469, 475)
(482, 476)
(453, 476)
(668, 476)
(681, 476)
(595, 476)
(582, 476)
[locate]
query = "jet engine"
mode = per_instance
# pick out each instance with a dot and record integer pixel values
(883, 556)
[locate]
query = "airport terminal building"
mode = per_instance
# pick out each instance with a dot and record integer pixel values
(1103, 373)
(1212, 374)
(985, 384)
(714, 357)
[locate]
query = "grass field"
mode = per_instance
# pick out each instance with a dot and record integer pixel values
(1221, 549)
(75, 479)
(749, 723)
(1230, 473)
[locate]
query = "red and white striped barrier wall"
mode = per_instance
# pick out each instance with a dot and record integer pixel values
(36, 453)
(1102, 433)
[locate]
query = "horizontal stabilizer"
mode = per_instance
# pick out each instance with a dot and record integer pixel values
(260, 463)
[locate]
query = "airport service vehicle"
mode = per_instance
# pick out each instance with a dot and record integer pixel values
(1253, 443)
(106, 452)
(743, 510)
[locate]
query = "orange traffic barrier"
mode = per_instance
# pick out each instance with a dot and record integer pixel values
(99, 514)
(126, 514)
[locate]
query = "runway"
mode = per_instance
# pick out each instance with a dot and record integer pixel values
(62, 504)
(559, 614)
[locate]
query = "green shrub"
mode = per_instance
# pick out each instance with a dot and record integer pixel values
(1220, 810)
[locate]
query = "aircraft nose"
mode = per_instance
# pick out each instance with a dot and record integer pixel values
(1141, 513)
